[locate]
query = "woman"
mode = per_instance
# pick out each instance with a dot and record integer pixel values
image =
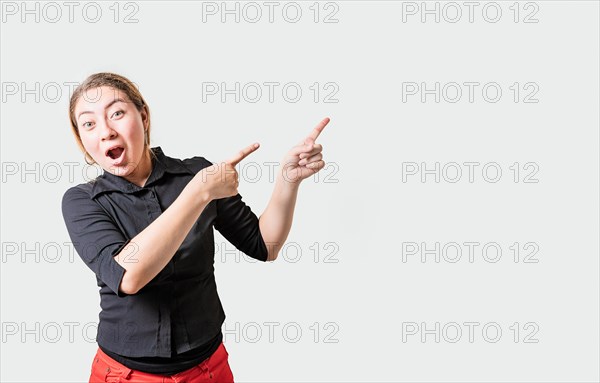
(145, 228)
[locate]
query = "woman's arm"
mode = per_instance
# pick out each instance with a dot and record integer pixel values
(150, 251)
(301, 162)
(276, 221)
(154, 246)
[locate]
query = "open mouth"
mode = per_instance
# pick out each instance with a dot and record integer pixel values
(115, 153)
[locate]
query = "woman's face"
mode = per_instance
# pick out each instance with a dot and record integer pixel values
(112, 130)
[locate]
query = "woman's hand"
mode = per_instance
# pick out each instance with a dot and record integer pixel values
(305, 159)
(221, 180)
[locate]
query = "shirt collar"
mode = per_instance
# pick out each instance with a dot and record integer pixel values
(161, 164)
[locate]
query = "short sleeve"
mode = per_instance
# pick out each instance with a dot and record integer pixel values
(95, 236)
(239, 225)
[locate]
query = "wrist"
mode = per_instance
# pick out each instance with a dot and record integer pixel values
(200, 191)
(287, 176)
(287, 181)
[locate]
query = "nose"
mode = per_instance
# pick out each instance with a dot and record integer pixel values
(107, 132)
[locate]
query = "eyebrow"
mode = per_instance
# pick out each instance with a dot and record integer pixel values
(106, 107)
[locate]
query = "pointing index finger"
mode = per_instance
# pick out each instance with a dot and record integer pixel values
(243, 154)
(318, 129)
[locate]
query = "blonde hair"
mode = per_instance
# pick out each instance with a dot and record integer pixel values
(117, 82)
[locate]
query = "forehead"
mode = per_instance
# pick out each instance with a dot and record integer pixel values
(95, 99)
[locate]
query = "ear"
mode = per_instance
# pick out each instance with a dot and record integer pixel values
(144, 114)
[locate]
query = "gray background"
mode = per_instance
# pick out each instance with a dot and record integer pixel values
(363, 208)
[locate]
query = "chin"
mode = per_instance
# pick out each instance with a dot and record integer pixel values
(120, 170)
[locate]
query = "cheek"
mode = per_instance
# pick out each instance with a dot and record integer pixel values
(90, 144)
(86, 141)
(133, 128)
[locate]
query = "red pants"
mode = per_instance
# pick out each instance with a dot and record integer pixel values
(214, 369)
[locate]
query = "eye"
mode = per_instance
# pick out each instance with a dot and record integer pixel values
(118, 111)
(84, 124)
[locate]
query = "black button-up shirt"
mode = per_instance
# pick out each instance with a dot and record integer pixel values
(179, 309)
